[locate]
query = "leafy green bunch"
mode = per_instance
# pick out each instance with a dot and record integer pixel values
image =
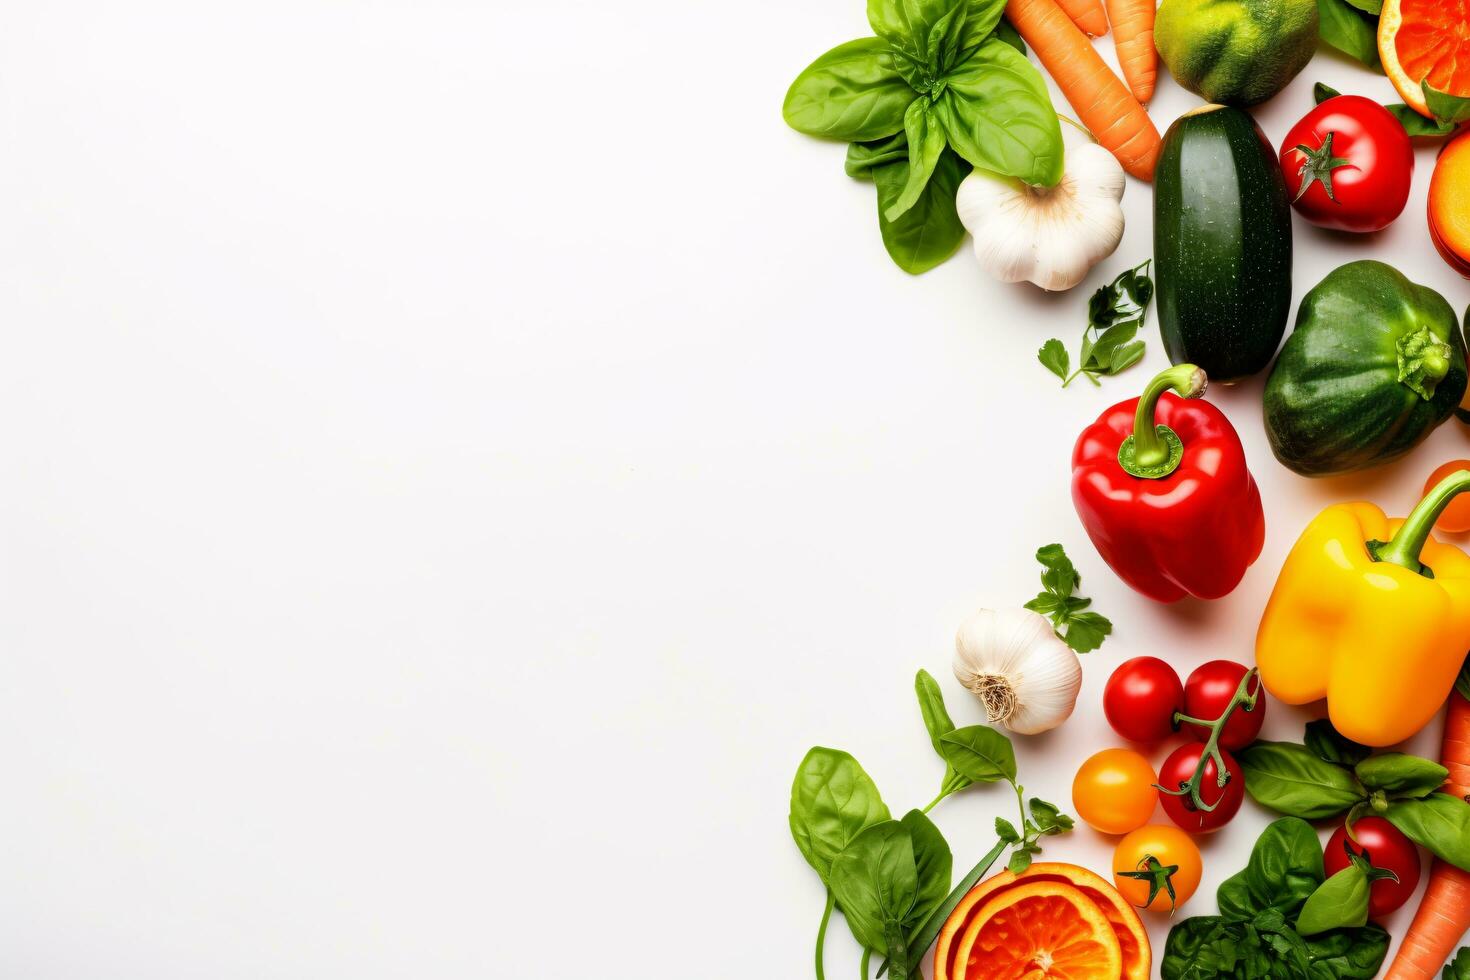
(1254, 936)
(941, 88)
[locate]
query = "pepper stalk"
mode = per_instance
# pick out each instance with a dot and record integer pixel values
(1153, 451)
(1407, 543)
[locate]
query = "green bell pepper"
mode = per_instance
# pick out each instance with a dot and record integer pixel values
(1375, 364)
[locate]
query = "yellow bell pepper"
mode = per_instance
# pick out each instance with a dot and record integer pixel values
(1374, 615)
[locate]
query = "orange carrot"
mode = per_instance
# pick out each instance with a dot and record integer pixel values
(1100, 100)
(1087, 14)
(1444, 912)
(1133, 35)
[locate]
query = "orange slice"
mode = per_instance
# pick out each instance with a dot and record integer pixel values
(1449, 204)
(1422, 40)
(1040, 930)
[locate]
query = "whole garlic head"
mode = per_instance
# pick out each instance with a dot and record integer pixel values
(1013, 662)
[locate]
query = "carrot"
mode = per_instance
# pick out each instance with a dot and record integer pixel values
(1444, 912)
(1133, 36)
(1102, 102)
(1087, 14)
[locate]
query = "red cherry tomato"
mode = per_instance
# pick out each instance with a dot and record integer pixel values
(1368, 164)
(1207, 694)
(1141, 698)
(1385, 848)
(1177, 771)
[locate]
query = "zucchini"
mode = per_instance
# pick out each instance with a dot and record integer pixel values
(1222, 243)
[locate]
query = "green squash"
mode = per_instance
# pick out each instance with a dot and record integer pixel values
(1375, 364)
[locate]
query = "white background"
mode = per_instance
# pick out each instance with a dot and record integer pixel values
(461, 455)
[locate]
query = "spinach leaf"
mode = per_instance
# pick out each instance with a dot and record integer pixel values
(1285, 868)
(980, 754)
(926, 143)
(1397, 774)
(875, 881)
(1459, 967)
(853, 92)
(1447, 108)
(1201, 947)
(1331, 746)
(933, 864)
(1293, 780)
(1341, 901)
(832, 801)
(1349, 30)
(929, 232)
(996, 113)
(1439, 822)
(1347, 954)
(864, 158)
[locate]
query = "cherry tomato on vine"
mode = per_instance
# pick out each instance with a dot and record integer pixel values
(1114, 791)
(1207, 694)
(1141, 698)
(1176, 773)
(1385, 847)
(1348, 165)
(1175, 865)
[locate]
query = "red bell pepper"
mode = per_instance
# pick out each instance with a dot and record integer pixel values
(1162, 488)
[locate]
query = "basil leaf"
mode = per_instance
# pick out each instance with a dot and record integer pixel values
(926, 143)
(981, 754)
(1342, 900)
(1285, 868)
(1348, 954)
(875, 880)
(1348, 30)
(1398, 774)
(1439, 822)
(933, 865)
(1291, 779)
(997, 114)
(832, 801)
(853, 92)
(931, 705)
(864, 158)
(1446, 108)
(928, 233)
(1329, 745)
(1321, 93)
(1005, 32)
(898, 951)
(1417, 125)
(907, 25)
(1371, 7)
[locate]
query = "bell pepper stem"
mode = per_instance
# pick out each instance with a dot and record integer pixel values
(1406, 545)
(1154, 451)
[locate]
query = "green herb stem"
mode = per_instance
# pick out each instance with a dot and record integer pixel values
(863, 966)
(925, 935)
(822, 933)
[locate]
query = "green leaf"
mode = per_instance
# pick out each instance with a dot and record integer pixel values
(1291, 779)
(1006, 831)
(1005, 32)
(933, 865)
(928, 233)
(874, 879)
(1446, 108)
(1349, 30)
(1048, 819)
(1284, 869)
(1341, 900)
(1371, 7)
(997, 114)
(1200, 948)
(1348, 954)
(906, 25)
(1127, 356)
(1322, 93)
(979, 753)
(1417, 125)
(1045, 603)
(864, 158)
(832, 801)
(936, 718)
(853, 93)
(1459, 967)
(1053, 357)
(1099, 354)
(1059, 576)
(1019, 862)
(926, 144)
(1086, 631)
(1462, 683)
(1327, 744)
(1439, 822)
(1398, 774)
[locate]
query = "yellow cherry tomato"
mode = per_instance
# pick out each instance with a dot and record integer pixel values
(1456, 517)
(1153, 859)
(1114, 791)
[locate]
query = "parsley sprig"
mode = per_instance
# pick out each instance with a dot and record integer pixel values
(1115, 314)
(1082, 631)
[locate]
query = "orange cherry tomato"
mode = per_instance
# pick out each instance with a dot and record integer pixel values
(1456, 517)
(1114, 791)
(1152, 860)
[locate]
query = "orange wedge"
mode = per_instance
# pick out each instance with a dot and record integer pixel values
(1132, 938)
(1421, 40)
(1449, 204)
(1039, 930)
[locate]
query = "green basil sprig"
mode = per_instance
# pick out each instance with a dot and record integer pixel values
(1253, 935)
(954, 83)
(1315, 781)
(1342, 900)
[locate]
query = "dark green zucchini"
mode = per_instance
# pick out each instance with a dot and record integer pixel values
(1222, 243)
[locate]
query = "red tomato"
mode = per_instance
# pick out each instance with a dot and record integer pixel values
(1207, 693)
(1368, 165)
(1177, 771)
(1141, 698)
(1385, 847)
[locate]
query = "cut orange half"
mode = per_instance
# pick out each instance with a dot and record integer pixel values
(1449, 204)
(1040, 930)
(1425, 40)
(1127, 927)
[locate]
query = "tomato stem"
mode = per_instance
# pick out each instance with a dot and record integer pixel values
(1243, 698)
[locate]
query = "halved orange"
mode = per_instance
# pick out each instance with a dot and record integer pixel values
(1132, 937)
(1421, 40)
(1449, 204)
(1040, 930)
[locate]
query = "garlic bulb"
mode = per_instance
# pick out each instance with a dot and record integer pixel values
(1050, 236)
(1013, 662)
